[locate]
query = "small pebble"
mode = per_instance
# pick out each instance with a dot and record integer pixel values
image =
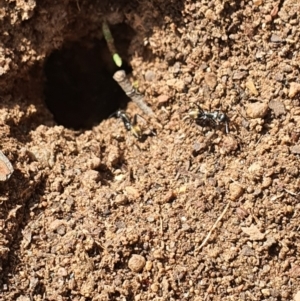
(154, 287)
(149, 265)
(257, 110)
(294, 89)
(161, 99)
(121, 199)
(150, 219)
(176, 67)
(236, 191)
(136, 263)
(267, 181)
(276, 38)
(266, 292)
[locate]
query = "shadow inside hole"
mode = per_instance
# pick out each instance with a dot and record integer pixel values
(80, 90)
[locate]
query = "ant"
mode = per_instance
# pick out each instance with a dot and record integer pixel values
(131, 125)
(215, 117)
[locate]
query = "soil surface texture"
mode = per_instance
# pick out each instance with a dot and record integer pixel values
(204, 205)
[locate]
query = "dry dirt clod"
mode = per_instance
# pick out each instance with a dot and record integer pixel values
(158, 254)
(114, 155)
(257, 110)
(267, 181)
(136, 263)
(255, 170)
(229, 144)
(132, 192)
(94, 163)
(88, 287)
(89, 177)
(177, 84)
(278, 107)
(210, 80)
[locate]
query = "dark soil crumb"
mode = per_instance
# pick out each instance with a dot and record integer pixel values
(98, 215)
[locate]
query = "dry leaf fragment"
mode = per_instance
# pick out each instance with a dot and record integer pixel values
(251, 87)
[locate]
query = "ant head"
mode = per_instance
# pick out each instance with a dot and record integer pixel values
(119, 113)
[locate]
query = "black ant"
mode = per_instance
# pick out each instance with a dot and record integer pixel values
(215, 117)
(131, 125)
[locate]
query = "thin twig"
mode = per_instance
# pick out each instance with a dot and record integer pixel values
(291, 192)
(213, 228)
(121, 78)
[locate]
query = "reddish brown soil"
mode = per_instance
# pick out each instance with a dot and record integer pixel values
(190, 214)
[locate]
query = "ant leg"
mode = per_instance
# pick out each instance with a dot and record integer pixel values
(226, 127)
(134, 119)
(144, 120)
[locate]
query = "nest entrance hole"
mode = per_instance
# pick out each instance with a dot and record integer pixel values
(80, 90)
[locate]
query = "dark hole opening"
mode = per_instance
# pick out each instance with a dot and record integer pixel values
(80, 90)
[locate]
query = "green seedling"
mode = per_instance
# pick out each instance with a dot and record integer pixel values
(110, 43)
